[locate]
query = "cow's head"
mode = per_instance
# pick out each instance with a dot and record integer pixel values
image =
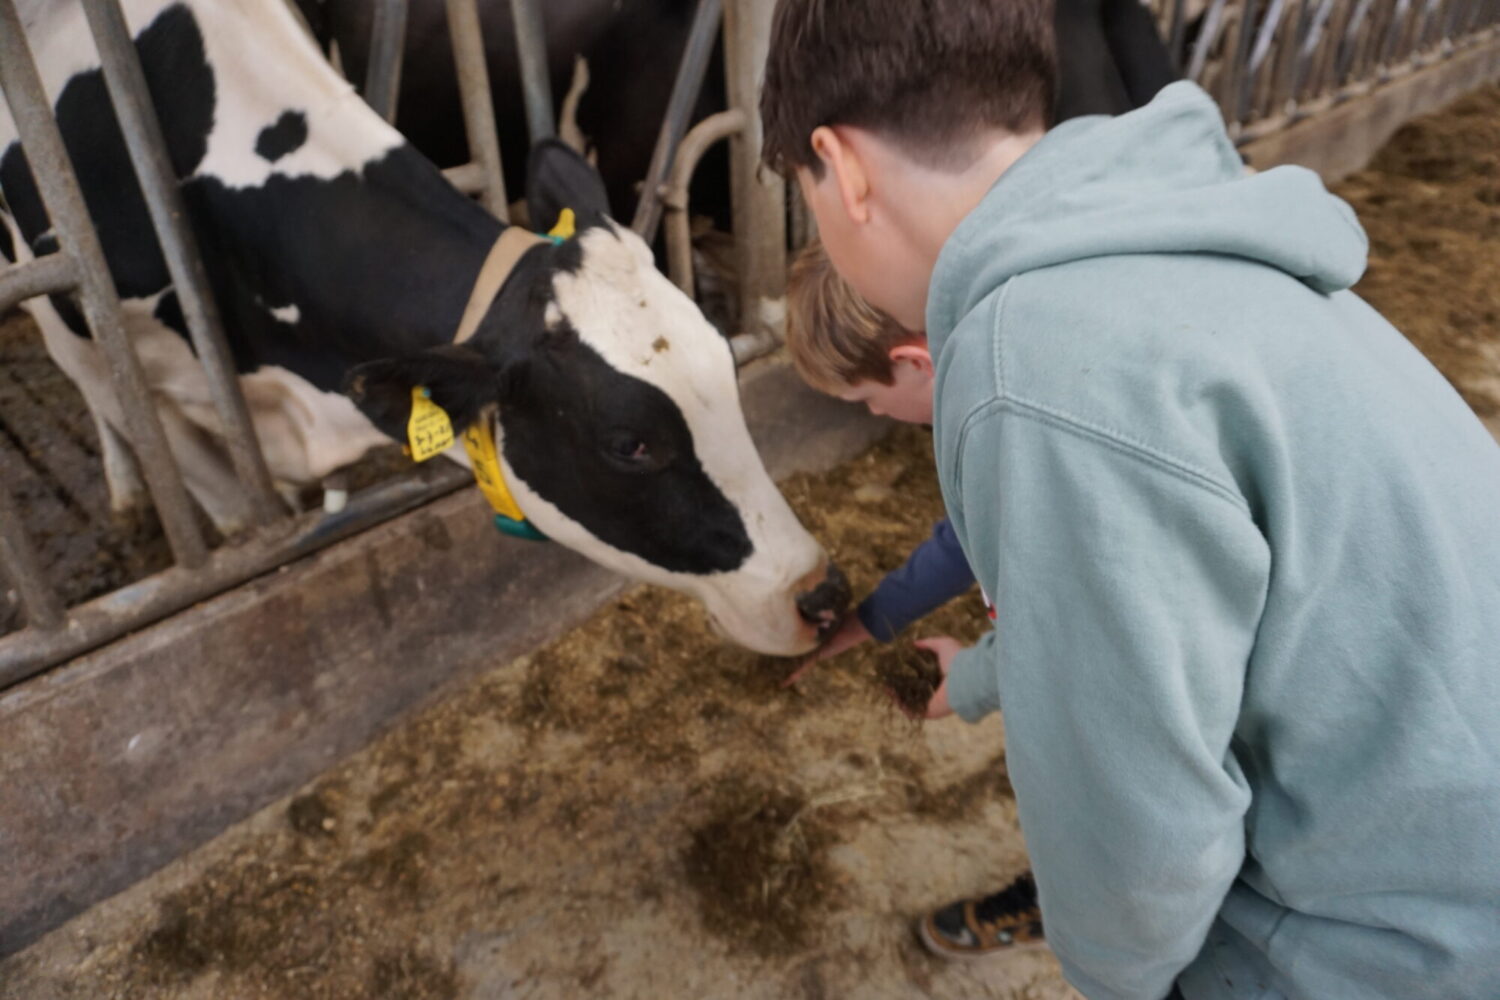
(617, 412)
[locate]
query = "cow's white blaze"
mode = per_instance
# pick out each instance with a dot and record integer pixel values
(642, 325)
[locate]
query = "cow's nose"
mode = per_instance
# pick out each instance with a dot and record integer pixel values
(823, 605)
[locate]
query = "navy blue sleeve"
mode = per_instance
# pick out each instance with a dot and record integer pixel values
(934, 574)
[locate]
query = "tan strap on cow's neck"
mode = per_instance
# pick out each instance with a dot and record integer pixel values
(514, 242)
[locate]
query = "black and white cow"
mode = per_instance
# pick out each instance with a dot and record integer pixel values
(340, 256)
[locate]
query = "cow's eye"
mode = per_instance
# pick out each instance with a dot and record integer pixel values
(628, 448)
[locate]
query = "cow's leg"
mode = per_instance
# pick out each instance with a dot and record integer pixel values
(128, 496)
(80, 359)
(206, 471)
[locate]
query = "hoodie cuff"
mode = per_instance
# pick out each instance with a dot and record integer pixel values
(974, 683)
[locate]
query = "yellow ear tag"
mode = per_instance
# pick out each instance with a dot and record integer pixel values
(479, 442)
(429, 430)
(567, 225)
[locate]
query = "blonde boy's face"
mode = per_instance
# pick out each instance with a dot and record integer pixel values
(909, 396)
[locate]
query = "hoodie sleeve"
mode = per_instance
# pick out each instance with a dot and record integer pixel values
(1132, 587)
(934, 574)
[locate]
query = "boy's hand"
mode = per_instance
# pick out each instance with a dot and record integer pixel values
(850, 633)
(945, 649)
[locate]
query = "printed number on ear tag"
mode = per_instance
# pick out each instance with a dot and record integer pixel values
(429, 431)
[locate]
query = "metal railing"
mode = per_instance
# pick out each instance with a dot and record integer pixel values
(1271, 63)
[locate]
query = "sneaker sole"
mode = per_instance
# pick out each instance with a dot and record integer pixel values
(940, 950)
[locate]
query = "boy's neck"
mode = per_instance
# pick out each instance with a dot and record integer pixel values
(942, 198)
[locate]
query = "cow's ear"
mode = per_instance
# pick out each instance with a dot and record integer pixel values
(558, 178)
(458, 379)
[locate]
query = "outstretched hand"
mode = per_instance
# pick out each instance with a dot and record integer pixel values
(850, 633)
(945, 648)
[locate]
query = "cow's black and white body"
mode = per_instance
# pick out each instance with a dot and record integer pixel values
(338, 255)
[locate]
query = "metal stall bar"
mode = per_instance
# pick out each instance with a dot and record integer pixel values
(148, 154)
(700, 45)
(1372, 44)
(44, 611)
(42, 276)
(1349, 44)
(484, 174)
(387, 43)
(1424, 29)
(1394, 31)
(1208, 34)
(1283, 93)
(1177, 34)
(47, 275)
(759, 196)
(1322, 83)
(1453, 20)
(27, 653)
(536, 84)
(674, 193)
(1260, 54)
(54, 177)
(1235, 87)
(1308, 51)
(1463, 23)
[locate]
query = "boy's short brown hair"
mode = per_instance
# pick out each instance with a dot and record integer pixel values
(834, 336)
(927, 75)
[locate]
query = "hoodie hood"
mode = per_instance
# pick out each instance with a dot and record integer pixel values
(1162, 179)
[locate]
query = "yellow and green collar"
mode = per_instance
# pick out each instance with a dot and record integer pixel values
(429, 431)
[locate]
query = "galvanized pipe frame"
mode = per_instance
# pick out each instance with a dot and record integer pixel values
(39, 276)
(147, 148)
(31, 651)
(674, 193)
(1236, 97)
(1174, 29)
(536, 79)
(53, 174)
(387, 44)
(685, 89)
(757, 197)
(484, 173)
(1309, 54)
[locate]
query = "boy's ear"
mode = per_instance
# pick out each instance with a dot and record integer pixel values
(844, 163)
(914, 354)
(458, 378)
(557, 177)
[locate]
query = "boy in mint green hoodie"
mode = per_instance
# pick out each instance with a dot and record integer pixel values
(1247, 540)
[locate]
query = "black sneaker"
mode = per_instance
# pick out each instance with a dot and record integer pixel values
(1007, 921)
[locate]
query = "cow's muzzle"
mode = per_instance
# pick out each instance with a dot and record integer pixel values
(823, 606)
